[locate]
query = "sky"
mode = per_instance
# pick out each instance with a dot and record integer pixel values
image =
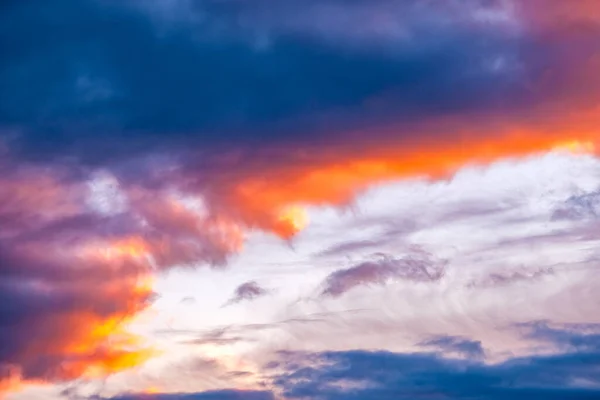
(299, 199)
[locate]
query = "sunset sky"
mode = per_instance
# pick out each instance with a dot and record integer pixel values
(299, 199)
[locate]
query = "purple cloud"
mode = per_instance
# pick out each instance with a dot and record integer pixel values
(246, 292)
(417, 268)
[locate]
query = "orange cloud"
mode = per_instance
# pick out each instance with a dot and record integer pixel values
(71, 295)
(562, 112)
(271, 196)
(88, 336)
(77, 279)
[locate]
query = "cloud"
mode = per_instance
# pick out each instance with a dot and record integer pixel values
(64, 306)
(386, 375)
(453, 344)
(255, 333)
(493, 224)
(219, 337)
(220, 80)
(246, 292)
(579, 207)
(73, 275)
(349, 247)
(187, 300)
(232, 116)
(423, 76)
(418, 267)
(224, 111)
(569, 337)
(570, 371)
(209, 395)
(508, 277)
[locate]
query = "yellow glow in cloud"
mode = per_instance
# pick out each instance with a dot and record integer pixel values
(576, 147)
(291, 220)
(131, 247)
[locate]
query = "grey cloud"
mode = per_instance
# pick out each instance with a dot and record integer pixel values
(503, 278)
(413, 267)
(579, 207)
(349, 247)
(246, 292)
(188, 300)
(395, 230)
(454, 344)
(232, 334)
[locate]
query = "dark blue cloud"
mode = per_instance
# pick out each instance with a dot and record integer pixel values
(453, 344)
(361, 375)
(74, 73)
(209, 395)
(573, 372)
(574, 337)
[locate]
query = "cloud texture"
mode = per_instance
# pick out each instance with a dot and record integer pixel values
(138, 137)
(569, 372)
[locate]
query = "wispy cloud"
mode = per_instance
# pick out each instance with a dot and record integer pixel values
(472, 349)
(408, 375)
(419, 267)
(246, 292)
(581, 207)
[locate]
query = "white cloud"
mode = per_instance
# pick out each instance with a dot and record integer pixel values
(509, 262)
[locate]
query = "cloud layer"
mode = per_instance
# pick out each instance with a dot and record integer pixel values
(418, 267)
(138, 137)
(569, 372)
(259, 108)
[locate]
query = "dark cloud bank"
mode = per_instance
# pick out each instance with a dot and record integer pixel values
(212, 395)
(76, 76)
(99, 79)
(571, 372)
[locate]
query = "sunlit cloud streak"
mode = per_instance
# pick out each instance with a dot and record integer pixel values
(511, 277)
